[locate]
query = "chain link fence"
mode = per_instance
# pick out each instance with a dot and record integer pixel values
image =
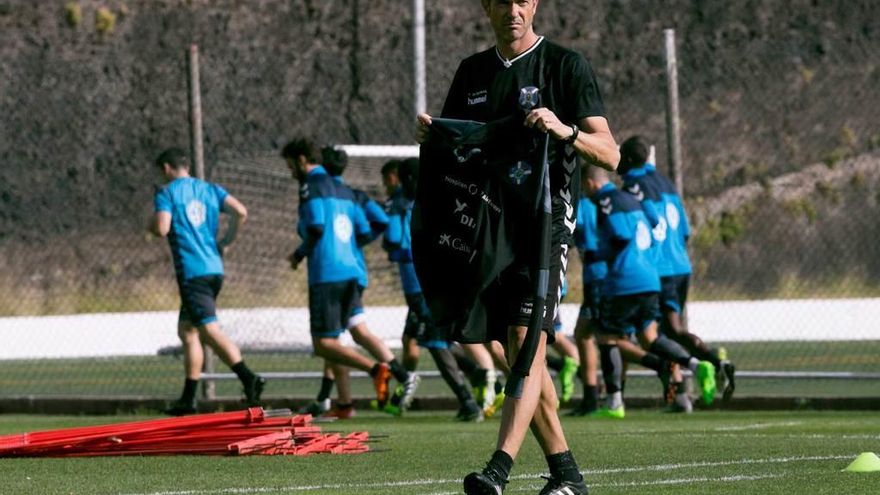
(781, 202)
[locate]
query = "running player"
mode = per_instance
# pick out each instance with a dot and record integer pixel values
(630, 293)
(187, 211)
(335, 161)
(333, 227)
(657, 193)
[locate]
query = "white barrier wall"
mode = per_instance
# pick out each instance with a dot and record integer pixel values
(134, 334)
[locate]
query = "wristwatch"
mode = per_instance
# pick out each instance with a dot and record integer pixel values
(574, 134)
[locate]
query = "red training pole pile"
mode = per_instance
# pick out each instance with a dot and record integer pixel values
(250, 432)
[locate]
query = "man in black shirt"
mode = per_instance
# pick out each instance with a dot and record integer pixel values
(486, 88)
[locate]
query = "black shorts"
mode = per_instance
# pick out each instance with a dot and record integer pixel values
(513, 296)
(591, 307)
(357, 315)
(198, 299)
(674, 292)
(331, 305)
(420, 326)
(625, 315)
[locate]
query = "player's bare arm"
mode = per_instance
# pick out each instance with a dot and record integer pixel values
(592, 137)
(239, 213)
(160, 224)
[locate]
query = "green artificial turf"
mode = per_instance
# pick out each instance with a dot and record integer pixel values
(428, 453)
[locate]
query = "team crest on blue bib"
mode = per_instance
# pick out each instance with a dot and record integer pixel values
(520, 172)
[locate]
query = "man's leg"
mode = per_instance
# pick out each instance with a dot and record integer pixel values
(612, 375)
(344, 408)
(536, 409)
(589, 357)
(377, 348)
(517, 414)
(499, 356)
(410, 353)
(668, 349)
(193, 359)
(468, 409)
(230, 354)
(321, 404)
(332, 350)
(488, 388)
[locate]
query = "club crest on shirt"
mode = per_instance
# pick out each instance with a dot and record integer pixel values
(343, 228)
(196, 212)
(520, 172)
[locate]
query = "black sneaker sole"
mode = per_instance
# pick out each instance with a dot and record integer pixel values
(479, 484)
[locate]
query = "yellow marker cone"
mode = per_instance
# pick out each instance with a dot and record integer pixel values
(866, 462)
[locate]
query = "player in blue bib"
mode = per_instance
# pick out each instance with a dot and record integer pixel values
(187, 212)
(657, 194)
(334, 227)
(335, 161)
(630, 294)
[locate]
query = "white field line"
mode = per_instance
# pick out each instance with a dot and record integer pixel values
(796, 436)
(633, 484)
(733, 427)
(758, 426)
(428, 482)
(676, 481)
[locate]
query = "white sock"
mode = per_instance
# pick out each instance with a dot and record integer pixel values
(615, 400)
(692, 364)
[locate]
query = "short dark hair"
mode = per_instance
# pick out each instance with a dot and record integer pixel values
(633, 153)
(175, 157)
(300, 147)
(334, 160)
(408, 172)
(390, 167)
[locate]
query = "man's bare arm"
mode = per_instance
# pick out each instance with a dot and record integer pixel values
(239, 216)
(160, 224)
(594, 141)
(596, 144)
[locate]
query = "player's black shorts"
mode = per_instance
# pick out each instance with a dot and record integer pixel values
(623, 315)
(357, 315)
(330, 306)
(420, 326)
(198, 299)
(591, 307)
(514, 293)
(674, 292)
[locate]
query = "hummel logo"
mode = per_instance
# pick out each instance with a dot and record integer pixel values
(445, 239)
(637, 192)
(459, 206)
